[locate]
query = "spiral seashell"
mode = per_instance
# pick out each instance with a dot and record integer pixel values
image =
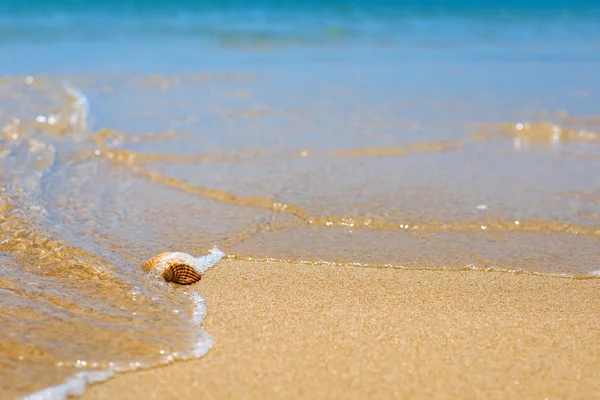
(181, 268)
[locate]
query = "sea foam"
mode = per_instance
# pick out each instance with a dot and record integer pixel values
(76, 385)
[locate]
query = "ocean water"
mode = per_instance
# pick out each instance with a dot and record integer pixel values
(440, 134)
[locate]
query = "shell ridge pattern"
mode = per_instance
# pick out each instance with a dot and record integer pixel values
(182, 268)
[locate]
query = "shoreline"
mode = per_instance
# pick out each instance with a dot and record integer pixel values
(294, 330)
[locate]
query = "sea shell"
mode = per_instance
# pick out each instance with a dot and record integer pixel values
(181, 268)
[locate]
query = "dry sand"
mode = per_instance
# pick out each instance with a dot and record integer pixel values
(285, 330)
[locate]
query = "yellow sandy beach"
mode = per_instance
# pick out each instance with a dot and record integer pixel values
(290, 330)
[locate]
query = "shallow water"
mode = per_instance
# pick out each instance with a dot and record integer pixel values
(377, 147)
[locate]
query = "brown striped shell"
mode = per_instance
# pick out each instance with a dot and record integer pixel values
(174, 267)
(181, 274)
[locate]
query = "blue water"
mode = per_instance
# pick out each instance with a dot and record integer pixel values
(291, 22)
(68, 36)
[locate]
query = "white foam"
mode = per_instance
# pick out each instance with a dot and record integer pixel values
(80, 105)
(74, 386)
(205, 341)
(206, 262)
(595, 273)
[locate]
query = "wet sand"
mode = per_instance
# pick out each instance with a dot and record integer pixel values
(94, 182)
(291, 330)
